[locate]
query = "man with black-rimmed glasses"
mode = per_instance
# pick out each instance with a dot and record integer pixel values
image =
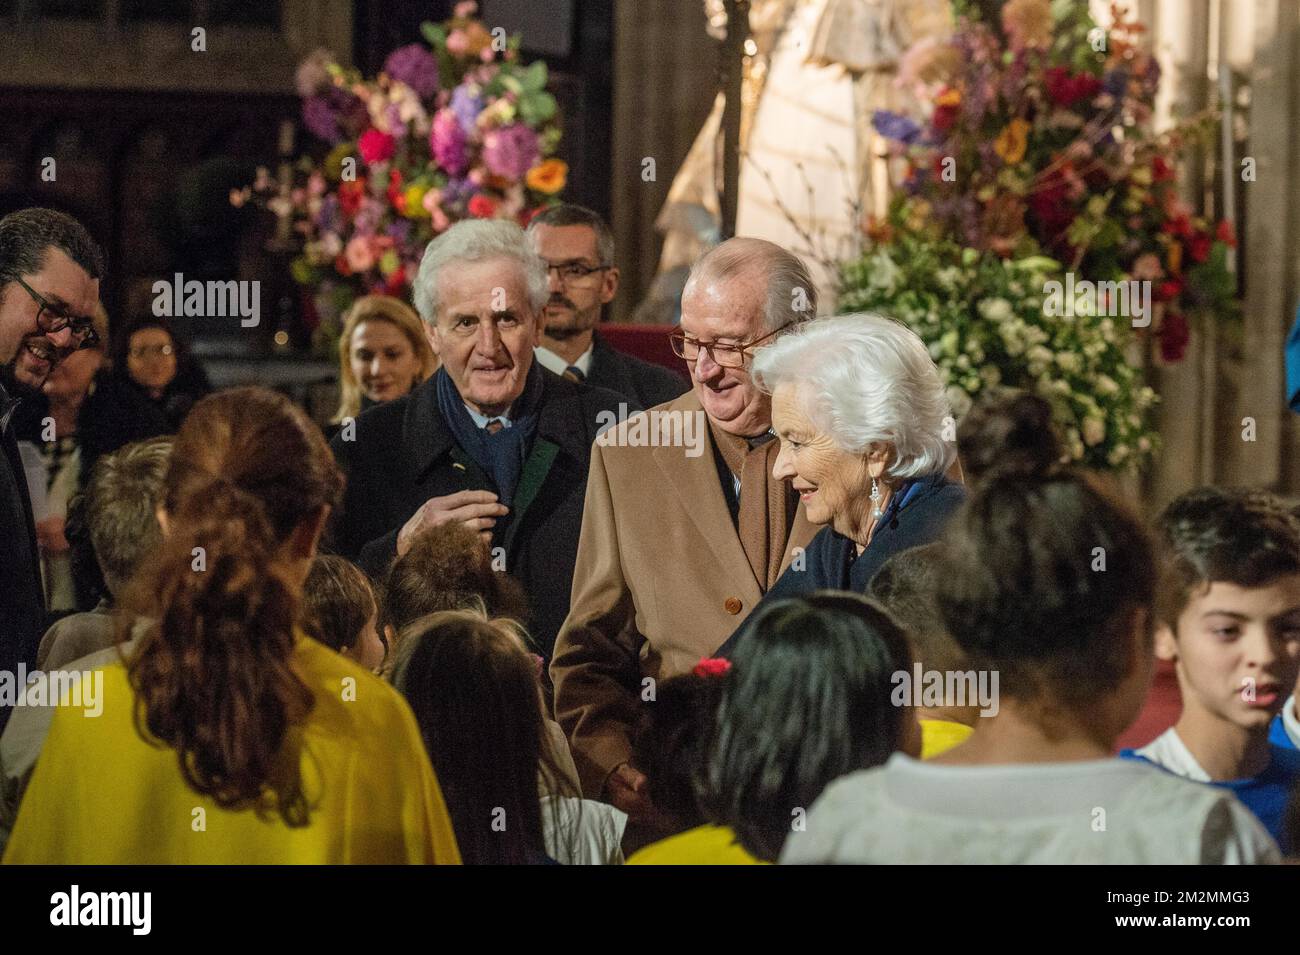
(578, 248)
(50, 269)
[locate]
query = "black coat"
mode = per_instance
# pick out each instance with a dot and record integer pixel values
(640, 382)
(833, 563)
(118, 412)
(403, 454)
(22, 599)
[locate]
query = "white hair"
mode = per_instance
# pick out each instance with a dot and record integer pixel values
(474, 240)
(865, 378)
(791, 294)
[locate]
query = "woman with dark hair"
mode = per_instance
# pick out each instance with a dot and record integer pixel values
(227, 735)
(807, 699)
(474, 689)
(146, 392)
(1046, 582)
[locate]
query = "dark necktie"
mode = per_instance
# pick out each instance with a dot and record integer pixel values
(574, 373)
(493, 426)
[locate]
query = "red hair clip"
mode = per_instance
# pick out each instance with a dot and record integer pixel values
(711, 667)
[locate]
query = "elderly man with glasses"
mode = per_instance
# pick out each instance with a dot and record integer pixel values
(677, 547)
(492, 441)
(50, 269)
(578, 248)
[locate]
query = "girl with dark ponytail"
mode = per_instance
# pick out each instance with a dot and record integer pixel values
(1046, 583)
(226, 719)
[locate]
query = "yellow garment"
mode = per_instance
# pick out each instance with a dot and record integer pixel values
(704, 845)
(939, 736)
(102, 795)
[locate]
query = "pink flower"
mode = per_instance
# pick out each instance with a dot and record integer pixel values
(359, 254)
(376, 147)
(511, 151)
(1148, 268)
(457, 42)
(447, 143)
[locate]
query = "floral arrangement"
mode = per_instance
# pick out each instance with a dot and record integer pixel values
(1038, 141)
(1033, 162)
(982, 318)
(451, 129)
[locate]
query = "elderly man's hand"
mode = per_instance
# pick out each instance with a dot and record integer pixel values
(629, 791)
(477, 510)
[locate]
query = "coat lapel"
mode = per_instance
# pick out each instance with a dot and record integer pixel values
(425, 433)
(695, 481)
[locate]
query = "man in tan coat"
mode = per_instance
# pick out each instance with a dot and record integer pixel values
(684, 527)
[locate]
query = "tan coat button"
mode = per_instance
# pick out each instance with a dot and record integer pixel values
(733, 605)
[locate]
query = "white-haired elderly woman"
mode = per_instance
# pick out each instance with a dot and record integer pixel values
(861, 414)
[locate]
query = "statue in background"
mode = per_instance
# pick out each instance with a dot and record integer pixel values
(815, 70)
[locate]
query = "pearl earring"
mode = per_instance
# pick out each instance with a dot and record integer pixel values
(876, 512)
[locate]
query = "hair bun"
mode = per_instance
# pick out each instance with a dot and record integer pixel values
(1010, 434)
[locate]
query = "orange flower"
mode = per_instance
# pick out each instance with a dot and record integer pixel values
(1011, 142)
(548, 177)
(949, 97)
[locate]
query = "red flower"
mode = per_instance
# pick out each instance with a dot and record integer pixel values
(1199, 247)
(1169, 290)
(1065, 89)
(1224, 233)
(482, 207)
(1180, 226)
(375, 146)
(1174, 336)
(711, 667)
(1161, 170)
(350, 196)
(394, 186)
(943, 117)
(341, 265)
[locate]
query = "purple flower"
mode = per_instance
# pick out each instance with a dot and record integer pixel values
(896, 127)
(398, 230)
(322, 119)
(511, 151)
(415, 66)
(447, 143)
(1115, 82)
(466, 103)
(456, 190)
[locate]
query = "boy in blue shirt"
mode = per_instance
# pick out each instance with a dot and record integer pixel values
(1228, 616)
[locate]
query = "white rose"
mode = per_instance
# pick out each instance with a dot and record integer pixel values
(1094, 431)
(995, 309)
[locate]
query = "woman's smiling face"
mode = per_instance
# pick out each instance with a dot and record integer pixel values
(833, 484)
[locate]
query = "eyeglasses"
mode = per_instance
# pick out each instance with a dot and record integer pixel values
(725, 356)
(571, 273)
(144, 351)
(57, 320)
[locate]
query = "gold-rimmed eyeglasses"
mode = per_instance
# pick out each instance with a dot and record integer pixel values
(725, 355)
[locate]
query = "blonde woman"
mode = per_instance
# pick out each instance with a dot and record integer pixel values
(383, 354)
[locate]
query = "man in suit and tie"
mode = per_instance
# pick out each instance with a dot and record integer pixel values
(578, 248)
(50, 269)
(492, 440)
(677, 546)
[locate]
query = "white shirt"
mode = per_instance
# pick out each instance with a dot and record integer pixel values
(582, 831)
(1105, 811)
(481, 422)
(555, 363)
(1169, 750)
(1290, 722)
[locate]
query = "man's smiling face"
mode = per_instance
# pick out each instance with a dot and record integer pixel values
(67, 288)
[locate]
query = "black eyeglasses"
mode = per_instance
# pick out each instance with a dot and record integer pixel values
(57, 320)
(725, 356)
(570, 272)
